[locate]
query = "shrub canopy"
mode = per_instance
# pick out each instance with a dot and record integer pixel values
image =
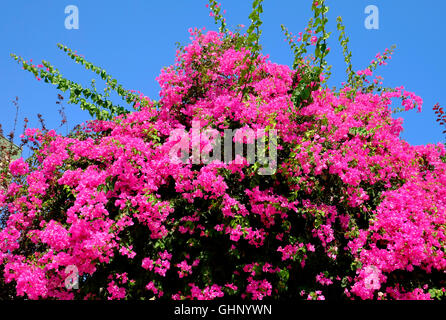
(349, 211)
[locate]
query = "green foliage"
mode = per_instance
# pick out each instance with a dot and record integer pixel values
(343, 40)
(254, 32)
(218, 17)
(252, 42)
(112, 84)
(311, 67)
(317, 25)
(98, 105)
(101, 108)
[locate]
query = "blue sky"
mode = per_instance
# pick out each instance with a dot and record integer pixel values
(133, 42)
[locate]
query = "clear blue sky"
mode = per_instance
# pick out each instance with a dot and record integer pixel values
(135, 40)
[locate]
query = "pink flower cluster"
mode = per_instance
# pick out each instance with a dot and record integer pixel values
(348, 191)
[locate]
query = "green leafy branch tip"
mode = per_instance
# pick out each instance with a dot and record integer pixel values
(126, 95)
(343, 40)
(218, 17)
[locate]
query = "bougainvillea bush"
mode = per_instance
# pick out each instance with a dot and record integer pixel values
(351, 210)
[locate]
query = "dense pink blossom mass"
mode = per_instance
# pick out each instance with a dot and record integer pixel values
(352, 212)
